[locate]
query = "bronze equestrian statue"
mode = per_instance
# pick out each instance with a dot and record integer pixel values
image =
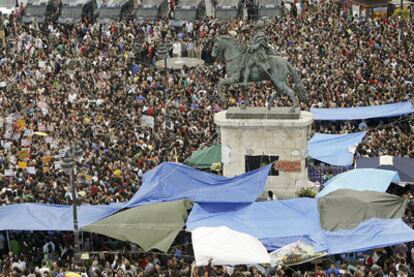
(255, 63)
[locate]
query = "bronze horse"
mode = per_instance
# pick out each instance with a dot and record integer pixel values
(232, 52)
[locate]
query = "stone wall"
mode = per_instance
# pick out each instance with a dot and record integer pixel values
(286, 139)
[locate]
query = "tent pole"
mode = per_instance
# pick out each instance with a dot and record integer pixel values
(8, 240)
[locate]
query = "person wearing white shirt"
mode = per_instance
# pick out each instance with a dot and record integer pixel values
(44, 269)
(39, 43)
(177, 50)
(72, 97)
(299, 7)
(189, 27)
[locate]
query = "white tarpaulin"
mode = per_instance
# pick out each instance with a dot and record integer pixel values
(224, 246)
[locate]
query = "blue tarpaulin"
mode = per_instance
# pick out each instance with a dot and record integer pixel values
(279, 223)
(275, 223)
(361, 179)
(221, 201)
(370, 234)
(174, 181)
(387, 110)
(43, 217)
(334, 149)
(167, 182)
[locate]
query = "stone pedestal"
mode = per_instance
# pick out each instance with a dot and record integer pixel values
(277, 133)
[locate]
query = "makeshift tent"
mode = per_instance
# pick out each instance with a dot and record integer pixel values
(387, 110)
(223, 246)
(173, 181)
(361, 179)
(42, 217)
(346, 209)
(153, 226)
(274, 223)
(404, 166)
(334, 149)
(203, 159)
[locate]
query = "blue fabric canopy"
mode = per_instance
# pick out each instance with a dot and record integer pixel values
(279, 223)
(174, 181)
(334, 149)
(387, 110)
(361, 179)
(373, 233)
(275, 223)
(167, 182)
(221, 201)
(42, 217)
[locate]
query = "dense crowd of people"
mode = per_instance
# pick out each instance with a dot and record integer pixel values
(40, 254)
(96, 86)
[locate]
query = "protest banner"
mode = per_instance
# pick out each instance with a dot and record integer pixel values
(147, 121)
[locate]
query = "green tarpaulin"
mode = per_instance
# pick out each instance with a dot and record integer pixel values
(204, 158)
(153, 226)
(346, 209)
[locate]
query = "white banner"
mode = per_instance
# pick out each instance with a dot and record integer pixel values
(147, 121)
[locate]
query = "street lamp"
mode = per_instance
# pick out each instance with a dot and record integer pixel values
(162, 52)
(69, 166)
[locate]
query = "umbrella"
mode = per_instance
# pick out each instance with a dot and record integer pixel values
(404, 166)
(152, 226)
(203, 159)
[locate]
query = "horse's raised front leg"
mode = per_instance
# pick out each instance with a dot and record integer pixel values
(285, 88)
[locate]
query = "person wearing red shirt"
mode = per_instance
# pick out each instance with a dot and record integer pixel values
(319, 272)
(150, 111)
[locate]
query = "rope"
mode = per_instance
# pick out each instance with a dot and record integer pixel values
(123, 252)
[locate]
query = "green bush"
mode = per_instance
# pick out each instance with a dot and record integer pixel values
(306, 192)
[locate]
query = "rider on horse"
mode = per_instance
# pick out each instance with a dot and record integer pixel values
(257, 53)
